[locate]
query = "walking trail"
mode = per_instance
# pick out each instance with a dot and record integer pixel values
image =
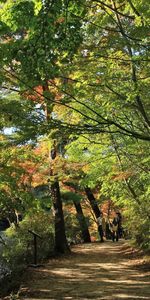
(107, 270)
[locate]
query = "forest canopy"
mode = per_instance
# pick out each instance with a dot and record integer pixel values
(74, 95)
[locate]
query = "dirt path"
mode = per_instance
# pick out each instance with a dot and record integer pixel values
(93, 271)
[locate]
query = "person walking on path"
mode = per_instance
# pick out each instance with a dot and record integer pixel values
(119, 224)
(115, 235)
(101, 227)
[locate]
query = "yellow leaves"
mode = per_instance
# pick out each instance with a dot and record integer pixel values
(122, 176)
(79, 84)
(62, 112)
(138, 21)
(3, 137)
(77, 74)
(4, 187)
(86, 168)
(37, 6)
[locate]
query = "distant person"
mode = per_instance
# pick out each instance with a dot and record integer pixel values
(114, 229)
(108, 230)
(101, 227)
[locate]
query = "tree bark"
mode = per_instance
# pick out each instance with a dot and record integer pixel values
(84, 228)
(61, 245)
(93, 202)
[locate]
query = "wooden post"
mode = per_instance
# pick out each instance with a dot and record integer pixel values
(35, 235)
(35, 249)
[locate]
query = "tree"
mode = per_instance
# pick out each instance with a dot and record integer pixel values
(81, 68)
(36, 35)
(16, 171)
(93, 202)
(73, 195)
(61, 245)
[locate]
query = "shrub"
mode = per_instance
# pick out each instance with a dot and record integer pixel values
(17, 252)
(73, 230)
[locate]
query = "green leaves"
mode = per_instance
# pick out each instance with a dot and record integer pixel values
(81, 69)
(18, 15)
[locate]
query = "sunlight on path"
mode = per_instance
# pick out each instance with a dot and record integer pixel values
(93, 271)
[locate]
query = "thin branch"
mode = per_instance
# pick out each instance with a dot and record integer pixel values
(96, 129)
(103, 4)
(134, 78)
(133, 8)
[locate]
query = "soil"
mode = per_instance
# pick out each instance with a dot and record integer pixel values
(96, 270)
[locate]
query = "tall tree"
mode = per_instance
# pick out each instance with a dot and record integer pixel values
(61, 245)
(41, 37)
(91, 58)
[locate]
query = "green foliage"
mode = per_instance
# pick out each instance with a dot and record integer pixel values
(42, 194)
(69, 197)
(19, 249)
(138, 226)
(15, 181)
(18, 15)
(87, 68)
(119, 170)
(73, 230)
(72, 224)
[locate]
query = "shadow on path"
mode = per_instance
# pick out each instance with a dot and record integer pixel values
(92, 271)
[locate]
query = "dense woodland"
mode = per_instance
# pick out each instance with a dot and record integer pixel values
(74, 127)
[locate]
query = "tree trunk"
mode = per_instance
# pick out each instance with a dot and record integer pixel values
(93, 202)
(84, 228)
(61, 245)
